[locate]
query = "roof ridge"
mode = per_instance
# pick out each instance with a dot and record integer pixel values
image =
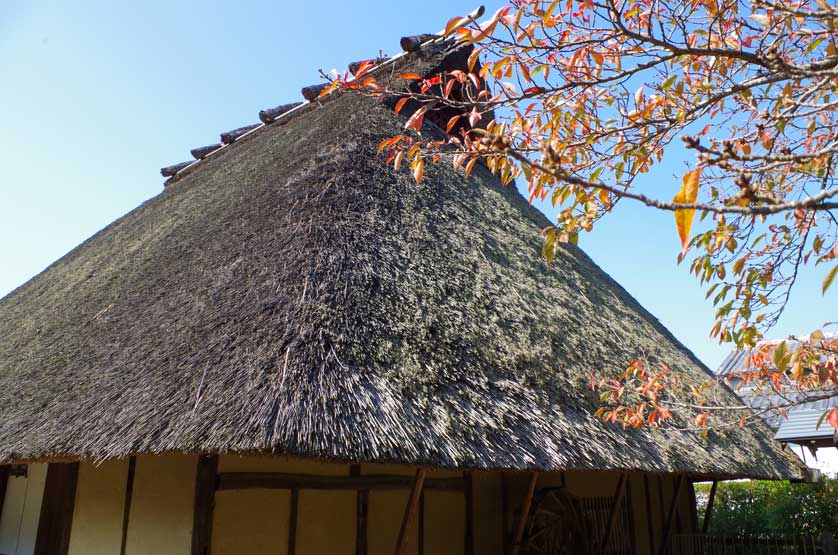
(270, 116)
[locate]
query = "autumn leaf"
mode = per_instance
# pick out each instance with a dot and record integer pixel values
(452, 24)
(830, 416)
(684, 217)
(400, 104)
(830, 277)
(415, 120)
(418, 170)
(409, 76)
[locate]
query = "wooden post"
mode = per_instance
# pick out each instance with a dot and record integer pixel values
(504, 507)
(693, 516)
(629, 504)
(4, 480)
(292, 522)
(205, 482)
(361, 512)
(649, 523)
(709, 511)
(670, 517)
(126, 508)
(525, 513)
(56, 517)
(410, 510)
(468, 545)
(612, 516)
(421, 531)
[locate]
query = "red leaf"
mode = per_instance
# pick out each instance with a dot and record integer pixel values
(409, 76)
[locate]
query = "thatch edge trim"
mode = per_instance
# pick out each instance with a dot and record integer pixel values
(698, 476)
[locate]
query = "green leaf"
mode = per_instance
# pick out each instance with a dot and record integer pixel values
(668, 82)
(830, 277)
(779, 356)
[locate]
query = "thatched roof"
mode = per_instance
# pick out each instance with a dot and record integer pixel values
(293, 294)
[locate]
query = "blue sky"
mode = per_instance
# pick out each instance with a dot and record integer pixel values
(97, 96)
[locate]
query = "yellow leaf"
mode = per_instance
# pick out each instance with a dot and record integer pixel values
(684, 217)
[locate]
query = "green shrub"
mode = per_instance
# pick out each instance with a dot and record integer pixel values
(756, 507)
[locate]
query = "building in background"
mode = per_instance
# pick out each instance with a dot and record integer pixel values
(798, 429)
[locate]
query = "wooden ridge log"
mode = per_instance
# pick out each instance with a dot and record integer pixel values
(312, 92)
(271, 114)
(170, 171)
(231, 136)
(409, 44)
(279, 480)
(355, 66)
(203, 151)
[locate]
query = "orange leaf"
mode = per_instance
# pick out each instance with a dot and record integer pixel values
(684, 217)
(472, 59)
(448, 86)
(418, 170)
(452, 24)
(415, 121)
(400, 104)
(409, 76)
(452, 122)
(363, 68)
(470, 166)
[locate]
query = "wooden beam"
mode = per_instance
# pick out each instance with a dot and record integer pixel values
(468, 544)
(673, 509)
(279, 480)
(205, 480)
(126, 508)
(361, 512)
(56, 518)
(650, 525)
(709, 511)
(410, 510)
(525, 513)
(292, 521)
(4, 481)
(612, 516)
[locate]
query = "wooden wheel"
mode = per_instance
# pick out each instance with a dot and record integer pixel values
(557, 526)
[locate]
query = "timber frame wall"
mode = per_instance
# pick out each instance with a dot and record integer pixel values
(671, 514)
(208, 481)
